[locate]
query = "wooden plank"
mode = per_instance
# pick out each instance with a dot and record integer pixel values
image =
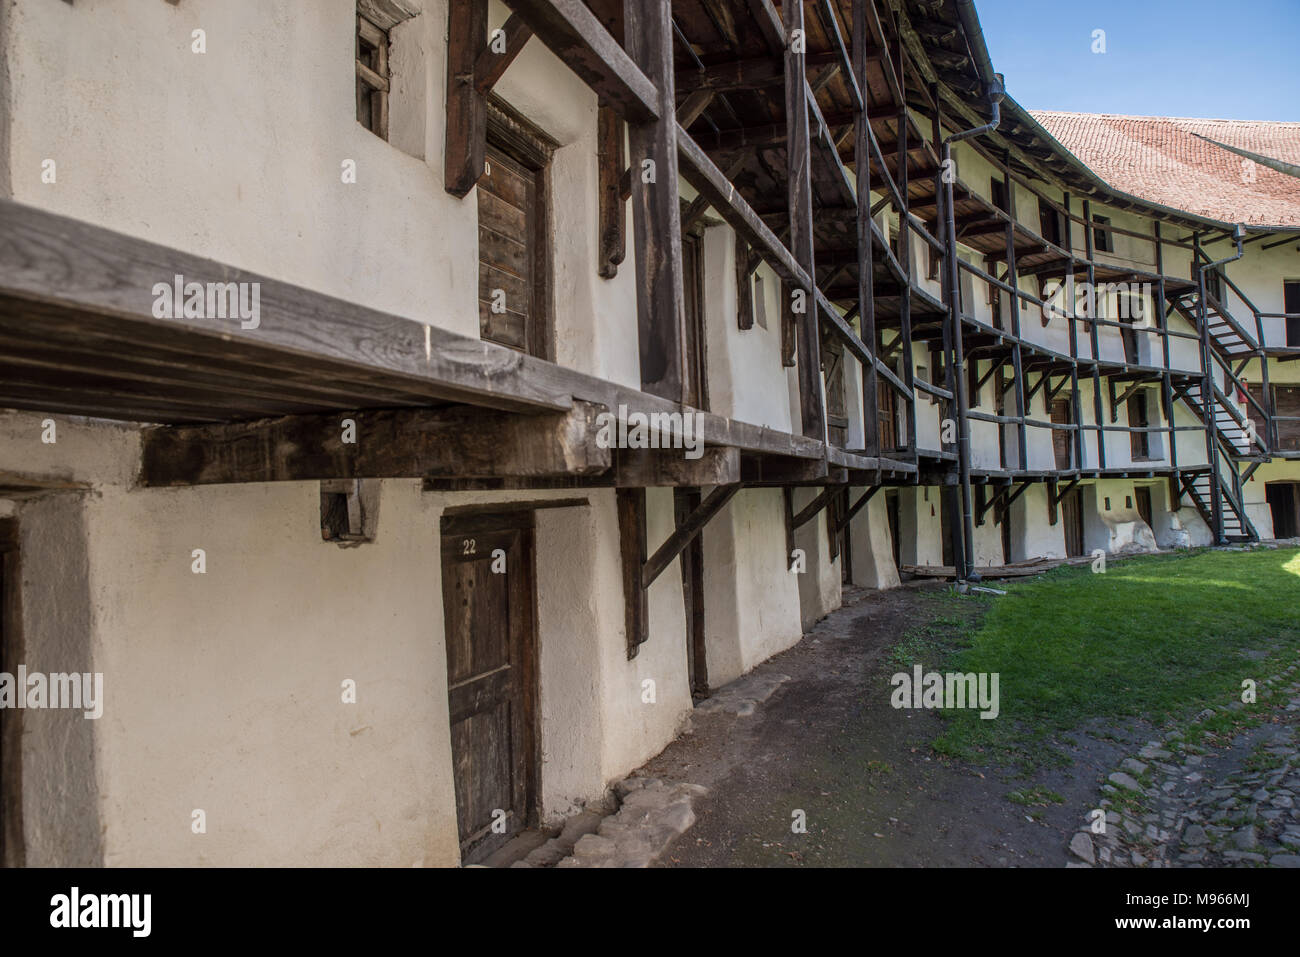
(670, 467)
(466, 133)
(656, 215)
(576, 36)
(492, 64)
(408, 443)
(613, 212)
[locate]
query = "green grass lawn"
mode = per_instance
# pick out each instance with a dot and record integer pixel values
(1156, 637)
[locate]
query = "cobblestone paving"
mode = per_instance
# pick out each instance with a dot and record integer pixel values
(1177, 804)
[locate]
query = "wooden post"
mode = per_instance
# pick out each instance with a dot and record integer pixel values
(866, 280)
(1095, 338)
(466, 137)
(799, 171)
(610, 165)
(632, 540)
(1166, 383)
(656, 216)
(1067, 291)
(1208, 415)
(1013, 278)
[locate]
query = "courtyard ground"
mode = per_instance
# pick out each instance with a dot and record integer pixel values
(1119, 691)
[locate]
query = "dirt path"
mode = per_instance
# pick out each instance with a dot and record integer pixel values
(828, 743)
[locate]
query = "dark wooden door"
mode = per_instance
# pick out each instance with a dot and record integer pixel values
(1286, 406)
(685, 501)
(1291, 306)
(947, 518)
(1138, 418)
(886, 416)
(487, 591)
(1283, 499)
(697, 386)
(1142, 495)
(512, 255)
(1072, 517)
(1062, 439)
(837, 415)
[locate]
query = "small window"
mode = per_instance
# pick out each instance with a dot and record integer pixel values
(372, 76)
(760, 301)
(347, 511)
(1103, 241)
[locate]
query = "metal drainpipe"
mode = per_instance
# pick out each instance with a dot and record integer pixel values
(1207, 387)
(965, 572)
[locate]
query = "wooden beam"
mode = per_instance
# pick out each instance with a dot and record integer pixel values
(492, 63)
(466, 133)
(70, 288)
(456, 441)
(693, 106)
(816, 505)
(671, 467)
(656, 215)
(857, 507)
(580, 41)
(685, 533)
(747, 261)
(866, 268)
(631, 504)
(742, 75)
(613, 213)
(799, 194)
(756, 471)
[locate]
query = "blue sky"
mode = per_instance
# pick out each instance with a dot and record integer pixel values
(1231, 59)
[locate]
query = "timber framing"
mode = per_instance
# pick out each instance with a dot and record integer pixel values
(817, 133)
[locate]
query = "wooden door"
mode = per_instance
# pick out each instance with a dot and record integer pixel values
(685, 501)
(1072, 517)
(886, 416)
(1283, 498)
(696, 391)
(1062, 439)
(1142, 495)
(1286, 406)
(947, 507)
(837, 416)
(1291, 306)
(512, 247)
(487, 591)
(1139, 442)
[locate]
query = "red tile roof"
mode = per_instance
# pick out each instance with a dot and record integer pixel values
(1185, 163)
